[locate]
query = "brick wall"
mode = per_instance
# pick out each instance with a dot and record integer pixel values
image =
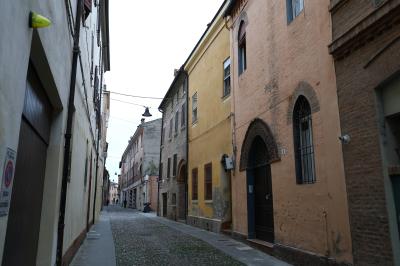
(357, 80)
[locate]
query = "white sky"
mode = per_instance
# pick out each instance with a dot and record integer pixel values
(148, 40)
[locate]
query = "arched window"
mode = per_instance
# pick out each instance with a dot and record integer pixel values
(242, 48)
(303, 142)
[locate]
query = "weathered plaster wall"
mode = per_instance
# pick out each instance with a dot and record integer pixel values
(210, 137)
(280, 57)
(50, 46)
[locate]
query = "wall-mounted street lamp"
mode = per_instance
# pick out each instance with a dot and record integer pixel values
(38, 21)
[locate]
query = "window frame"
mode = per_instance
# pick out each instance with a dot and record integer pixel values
(171, 127)
(208, 182)
(195, 111)
(242, 51)
(303, 142)
(195, 185)
(169, 168)
(176, 123)
(175, 165)
(183, 116)
(292, 13)
(225, 92)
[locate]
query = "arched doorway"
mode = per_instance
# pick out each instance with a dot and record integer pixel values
(259, 150)
(182, 191)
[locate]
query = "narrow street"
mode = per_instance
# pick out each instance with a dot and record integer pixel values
(145, 239)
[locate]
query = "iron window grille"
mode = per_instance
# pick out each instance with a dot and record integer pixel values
(227, 77)
(303, 142)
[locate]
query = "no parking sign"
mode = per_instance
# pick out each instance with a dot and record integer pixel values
(7, 181)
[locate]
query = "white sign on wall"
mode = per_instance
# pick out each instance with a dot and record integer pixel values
(7, 181)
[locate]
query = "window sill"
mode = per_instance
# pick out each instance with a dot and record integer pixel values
(195, 201)
(208, 201)
(225, 97)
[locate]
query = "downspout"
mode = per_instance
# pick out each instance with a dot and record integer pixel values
(68, 135)
(159, 163)
(187, 143)
(97, 145)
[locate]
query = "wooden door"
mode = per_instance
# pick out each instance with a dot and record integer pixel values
(263, 205)
(23, 225)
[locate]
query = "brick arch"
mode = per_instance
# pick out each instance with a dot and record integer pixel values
(306, 90)
(258, 129)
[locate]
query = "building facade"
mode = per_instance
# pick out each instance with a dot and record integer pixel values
(366, 50)
(113, 194)
(209, 128)
(50, 113)
(139, 166)
(288, 188)
(172, 195)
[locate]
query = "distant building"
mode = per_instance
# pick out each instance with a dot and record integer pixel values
(209, 127)
(366, 50)
(113, 193)
(139, 166)
(173, 173)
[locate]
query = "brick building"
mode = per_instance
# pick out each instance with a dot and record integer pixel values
(366, 49)
(288, 188)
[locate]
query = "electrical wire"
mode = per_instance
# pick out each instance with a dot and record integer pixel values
(146, 97)
(129, 103)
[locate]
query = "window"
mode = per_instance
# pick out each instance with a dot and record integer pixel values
(173, 201)
(194, 108)
(208, 181)
(194, 184)
(227, 77)
(303, 143)
(162, 136)
(161, 172)
(176, 123)
(294, 8)
(183, 116)
(169, 168)
(242, 48)
(175, 165)
(170, 128)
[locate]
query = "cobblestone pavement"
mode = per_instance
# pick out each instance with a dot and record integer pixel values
(142, 241)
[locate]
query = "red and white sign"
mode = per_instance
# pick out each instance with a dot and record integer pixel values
(7, 181)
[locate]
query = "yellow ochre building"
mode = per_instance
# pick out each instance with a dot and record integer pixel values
(209, 129)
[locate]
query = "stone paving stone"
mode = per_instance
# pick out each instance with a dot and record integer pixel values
(142, 241)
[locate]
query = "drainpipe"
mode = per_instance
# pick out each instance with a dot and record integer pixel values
(68, 135)
(187, 143)
(97, 145)
(159, 164)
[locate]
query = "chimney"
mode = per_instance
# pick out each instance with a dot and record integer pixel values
(176, 72)
(142, 121)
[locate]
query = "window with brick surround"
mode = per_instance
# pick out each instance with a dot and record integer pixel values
(194, 184)
(208, 181)
(303, 142)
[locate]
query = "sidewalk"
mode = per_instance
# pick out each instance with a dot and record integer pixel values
(233, 248)
(98, 248)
